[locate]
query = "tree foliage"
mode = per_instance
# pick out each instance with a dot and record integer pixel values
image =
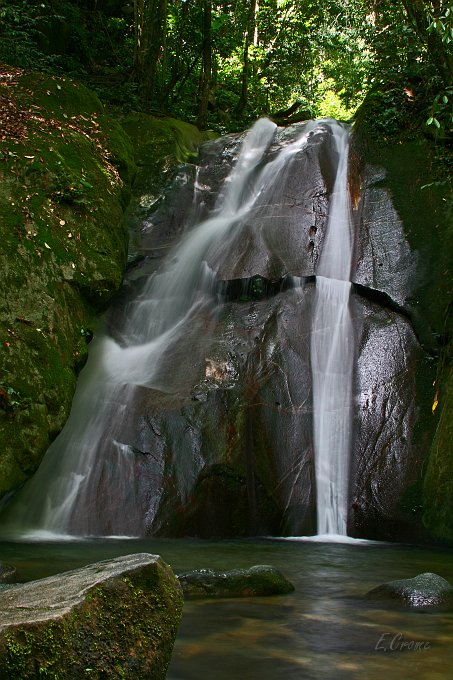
(225, 62)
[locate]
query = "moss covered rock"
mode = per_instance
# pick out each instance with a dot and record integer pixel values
(423, 591)
(160, 144)
(415, 171)
(255, 581)
(113, 619)
(67, 168)
(63, 251)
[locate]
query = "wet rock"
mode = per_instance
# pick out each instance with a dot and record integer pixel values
(284, 232)
(243, 462)
(384, 260)
(422, 591)
(113, 618)
(227, 435)
(255, 581)
(219, 442)
(188, 199)
(7, 573)
(386, 453)
(225, 448)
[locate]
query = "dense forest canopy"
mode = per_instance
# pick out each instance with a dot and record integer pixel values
(224, 63)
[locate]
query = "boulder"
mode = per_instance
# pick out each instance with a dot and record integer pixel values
(255, 581)
(116, 618)
(424, 590)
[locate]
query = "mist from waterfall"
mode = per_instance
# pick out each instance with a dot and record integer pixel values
(332, 355)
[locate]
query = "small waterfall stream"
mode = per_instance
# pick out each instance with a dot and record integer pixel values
(332, 354)
(68, 494)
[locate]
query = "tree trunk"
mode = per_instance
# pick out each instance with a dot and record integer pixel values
(150, 18)
(418, 12)
(206, 66)
(250, 34)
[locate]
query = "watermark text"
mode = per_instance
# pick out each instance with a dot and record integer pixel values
(396, 642)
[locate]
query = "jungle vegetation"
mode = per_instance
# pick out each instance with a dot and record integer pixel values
(222, 64)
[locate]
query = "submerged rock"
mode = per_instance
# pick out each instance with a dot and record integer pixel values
(116, 618)
(7, 572)
(424, 590)
(255, 581)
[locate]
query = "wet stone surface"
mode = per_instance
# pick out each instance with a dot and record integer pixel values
(423, 591)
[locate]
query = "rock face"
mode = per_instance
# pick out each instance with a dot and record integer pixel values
(255, 581)
(278, 238)
(63, 254)
(406, 210)
(66, 174)
(422, 591)
(218, 441)
(228, 442)
(113, 619)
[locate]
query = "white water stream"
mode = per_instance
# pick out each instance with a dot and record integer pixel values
(332, 354)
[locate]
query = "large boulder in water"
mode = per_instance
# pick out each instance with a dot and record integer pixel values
(116, 618)
(423, 591)
(254, 581)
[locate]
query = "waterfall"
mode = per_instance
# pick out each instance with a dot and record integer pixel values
(90, 482)
(332, 352)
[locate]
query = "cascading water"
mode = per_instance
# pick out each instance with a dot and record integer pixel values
(90, 482)
(332, 352)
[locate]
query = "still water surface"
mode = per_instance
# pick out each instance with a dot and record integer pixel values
(325, 629)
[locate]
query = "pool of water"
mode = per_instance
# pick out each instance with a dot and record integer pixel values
(325, 629)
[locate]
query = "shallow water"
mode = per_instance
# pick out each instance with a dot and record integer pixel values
(325, 629)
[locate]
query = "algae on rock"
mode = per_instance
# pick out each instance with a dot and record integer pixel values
(115, 619)
(63, 255)
(67, 172)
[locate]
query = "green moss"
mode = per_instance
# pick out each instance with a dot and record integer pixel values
(66, 171)
(58, 96)
(438, 484)
(63, 255)
(124, 628)
(160, 145)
